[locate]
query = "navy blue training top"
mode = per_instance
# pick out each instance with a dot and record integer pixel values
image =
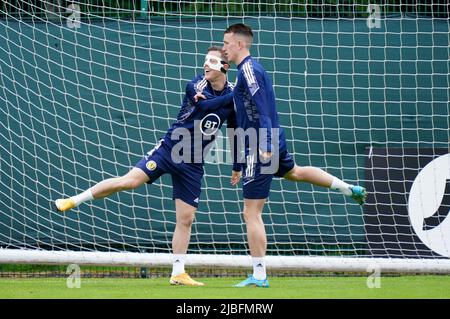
(254, 102)
(204, 117)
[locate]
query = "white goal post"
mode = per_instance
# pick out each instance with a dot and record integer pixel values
(362, 92)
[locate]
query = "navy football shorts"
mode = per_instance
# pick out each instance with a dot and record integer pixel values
(186, 178)
(258, 176)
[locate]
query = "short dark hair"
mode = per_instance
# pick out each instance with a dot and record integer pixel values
(240, 28)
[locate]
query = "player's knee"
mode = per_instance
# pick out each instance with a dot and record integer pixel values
(301, 173)
(297, 174)
(253, 210)
(247, 217)
(251, 216)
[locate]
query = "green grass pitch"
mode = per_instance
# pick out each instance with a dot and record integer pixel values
(404, 287)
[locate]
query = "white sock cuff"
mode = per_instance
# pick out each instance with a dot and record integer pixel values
(257, 260)
(179, 257)
(341, 186)
(178, 264)
(259, 268)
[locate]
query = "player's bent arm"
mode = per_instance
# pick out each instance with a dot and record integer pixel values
(211, 103)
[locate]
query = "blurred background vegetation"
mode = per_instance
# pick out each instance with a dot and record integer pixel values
(129, 9)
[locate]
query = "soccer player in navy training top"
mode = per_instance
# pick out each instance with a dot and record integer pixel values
(208, 102)
(267, 156)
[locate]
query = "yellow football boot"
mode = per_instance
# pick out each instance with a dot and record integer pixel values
(64, 204)
(184, 280)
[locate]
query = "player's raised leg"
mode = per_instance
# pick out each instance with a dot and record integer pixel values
(133, 179)
(257, 242)
(185, 217)
(317, 176)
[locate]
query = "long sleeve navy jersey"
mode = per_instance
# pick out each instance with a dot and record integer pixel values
(254, 102)
(201, 120)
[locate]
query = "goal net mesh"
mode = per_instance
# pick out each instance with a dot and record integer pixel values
(87, 89)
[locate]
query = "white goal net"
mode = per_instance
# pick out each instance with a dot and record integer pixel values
(88, 87)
